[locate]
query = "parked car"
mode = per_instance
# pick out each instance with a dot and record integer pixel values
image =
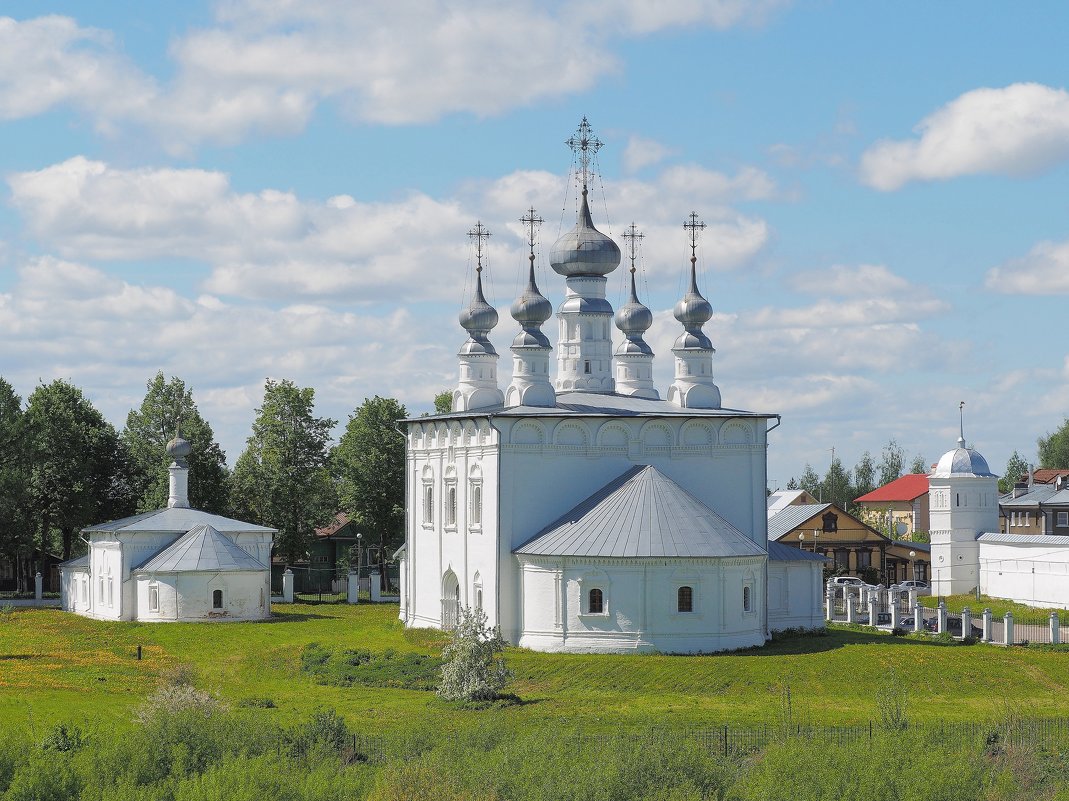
(921, 587)
(848, 581)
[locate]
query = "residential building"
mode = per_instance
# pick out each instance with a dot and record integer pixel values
(900, 506)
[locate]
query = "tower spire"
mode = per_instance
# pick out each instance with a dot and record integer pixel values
(477, 387)
(634, 358)
(961, 424)
(530, 349)
(694, 387)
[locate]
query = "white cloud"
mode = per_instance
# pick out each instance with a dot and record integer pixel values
(642, 152)
(1044, 270)
(265, 67)
(275, 245)
(1020, 129)
(850, 280)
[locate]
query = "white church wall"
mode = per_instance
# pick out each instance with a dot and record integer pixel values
(74, 590)
(245, 596)
(1030, 573)
(106, 563)
(640, 604)
(794, 595)
(460, 456)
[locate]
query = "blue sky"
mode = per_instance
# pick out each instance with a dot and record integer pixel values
(249, 188)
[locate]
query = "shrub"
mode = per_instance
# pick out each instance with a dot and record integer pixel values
(891, 702)
(63, 738)
(472, 669)
(6, 611)
(256, 703)
(405, 670)
(172, 699)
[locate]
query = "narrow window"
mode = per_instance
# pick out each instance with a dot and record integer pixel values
(476, 505)
(111, 593)
(451, 507)
(586, 367)
(746, 601)
(596, 603)
(479, 600)
(685, 599)
(217, 599)
(428, 504)
(153, 597)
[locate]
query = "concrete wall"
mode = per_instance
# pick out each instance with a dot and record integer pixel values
(640, 611)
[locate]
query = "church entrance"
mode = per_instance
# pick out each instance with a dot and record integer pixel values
(450, 600)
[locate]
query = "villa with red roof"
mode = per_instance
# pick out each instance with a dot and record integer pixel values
(904, 501)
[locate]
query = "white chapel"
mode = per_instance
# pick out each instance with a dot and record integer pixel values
(581, 510)
(172, 564)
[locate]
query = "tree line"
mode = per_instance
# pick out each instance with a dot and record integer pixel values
(64, 467)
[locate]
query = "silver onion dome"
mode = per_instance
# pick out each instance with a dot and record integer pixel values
(693, 311)
(634, 319)
(584, 250)
(530, 310)
(478, 319)
(178, 449)
(962, 461)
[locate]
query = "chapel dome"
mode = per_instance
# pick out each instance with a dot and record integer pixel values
(531, 308)
(633, 317)
(479, 317)
(584, 250)
(179, 448)
(962, 462)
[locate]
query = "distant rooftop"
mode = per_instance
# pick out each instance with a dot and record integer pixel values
(906, 488)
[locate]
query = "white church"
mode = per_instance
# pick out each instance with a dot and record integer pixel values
(173, 564)
(581, 510)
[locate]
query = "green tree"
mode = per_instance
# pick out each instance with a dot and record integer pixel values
(810, 481)
(282, 479)
(1054, 448)
(891, 461)
(1016, 469)
(864, 475)
(369, 466)
(79, 470)
(150, 427)
(443, 402)
(919, 464)
(792, 484)
(836, 487)
(16, 524)
(472, 668)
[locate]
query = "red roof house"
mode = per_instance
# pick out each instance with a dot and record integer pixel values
(902, 504)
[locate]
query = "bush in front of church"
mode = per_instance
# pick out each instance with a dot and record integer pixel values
(472, 668)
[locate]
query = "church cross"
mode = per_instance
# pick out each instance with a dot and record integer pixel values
(961, 423)
(532, 221)
(632, 235)
(693, 225)
(479, 233)
(585, 146)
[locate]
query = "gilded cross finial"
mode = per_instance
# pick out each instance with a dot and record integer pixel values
(479, 233)
(693, 225)
(532, 221)
(632, 235)
(585, 146)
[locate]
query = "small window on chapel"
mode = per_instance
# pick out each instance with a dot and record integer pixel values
(217, 599)
(685, 599)
(586, 367)
(596, 602)
(747, 600)
(153, 597)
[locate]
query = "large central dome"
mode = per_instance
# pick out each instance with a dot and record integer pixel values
(584, 250)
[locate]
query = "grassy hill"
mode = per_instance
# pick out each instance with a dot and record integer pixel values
(57, 666)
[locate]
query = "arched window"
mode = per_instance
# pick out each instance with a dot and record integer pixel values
(154, 597)
(428, 504)
(451, 507)
(476, 504)
(217, 599)
(685, 599)
(596, 602)
(747, 600)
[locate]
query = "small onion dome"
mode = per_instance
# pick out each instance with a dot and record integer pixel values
(633, 319)
(693, 311)
(479, 317)
(962, 461)
(178, 448)
(584, 250)
(531, 309)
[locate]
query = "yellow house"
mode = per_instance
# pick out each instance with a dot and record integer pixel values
(901, 504)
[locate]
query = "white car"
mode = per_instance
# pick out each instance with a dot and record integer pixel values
(921, 587)
(848, 581)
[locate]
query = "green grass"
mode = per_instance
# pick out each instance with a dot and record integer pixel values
(998, 606)
(57, 666)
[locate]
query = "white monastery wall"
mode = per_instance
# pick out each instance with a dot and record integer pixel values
(188, 596)
(1030, 573)
(794, 595)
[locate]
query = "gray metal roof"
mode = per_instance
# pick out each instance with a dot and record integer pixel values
(781, 498)
(77, 563)
(203, 548)
(1023, 539)
(1036, 495)
(781, 552)
(641, 513)
(790, 517)
(1059, 498)
(178, 520)
(594, 404)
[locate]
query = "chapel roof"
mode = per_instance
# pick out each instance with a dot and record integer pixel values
(594, 404)
(781, 552)
(202, 548)
(904, 488)
(641, 513)
(178, 520)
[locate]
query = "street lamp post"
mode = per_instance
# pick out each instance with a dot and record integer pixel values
(913, 564)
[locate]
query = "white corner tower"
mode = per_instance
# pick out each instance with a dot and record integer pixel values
(584, 256)
(477, 388)
(634, 358)
(963, 498)
(531, 349)
(694, 387)
(178, 449)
